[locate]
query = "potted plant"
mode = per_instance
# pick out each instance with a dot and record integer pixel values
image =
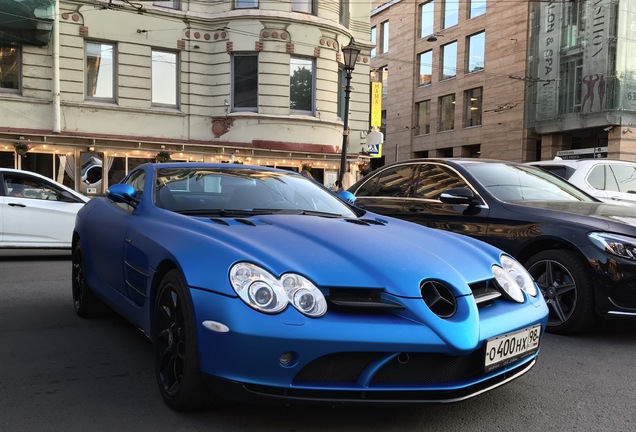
(22, 147)
(163, 156)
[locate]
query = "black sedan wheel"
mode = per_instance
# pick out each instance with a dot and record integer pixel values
(84, 301)
(564, 281)
(175, 347)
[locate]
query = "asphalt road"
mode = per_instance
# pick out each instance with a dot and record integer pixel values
(63, 373)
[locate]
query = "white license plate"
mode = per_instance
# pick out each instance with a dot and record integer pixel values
(508, 348)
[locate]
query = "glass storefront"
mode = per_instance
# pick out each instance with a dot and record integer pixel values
(581, 66)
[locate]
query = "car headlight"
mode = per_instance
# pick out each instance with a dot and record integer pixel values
(513, 278)
(264, 292)
(304, 295)
(619, 245)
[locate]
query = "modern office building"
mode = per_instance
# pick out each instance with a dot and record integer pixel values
(112, 84)
(508, 80)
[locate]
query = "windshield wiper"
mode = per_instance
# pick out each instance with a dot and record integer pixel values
(225, 212)
(255, 212)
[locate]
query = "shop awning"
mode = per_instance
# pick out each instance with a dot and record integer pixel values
(26, 22)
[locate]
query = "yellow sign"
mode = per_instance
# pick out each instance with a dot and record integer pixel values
(376, 104)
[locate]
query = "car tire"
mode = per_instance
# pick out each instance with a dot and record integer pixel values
(563, 278)
(86, 304)
(175, 351)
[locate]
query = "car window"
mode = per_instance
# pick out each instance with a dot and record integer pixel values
(601, 178)
(137, 180)
(22, 187)
(369, 187)
(559, 170)
(396, 181)
(197, 190)
(433, 179)
(625, 177)
(524, 183)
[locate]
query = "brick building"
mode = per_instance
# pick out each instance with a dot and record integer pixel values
(505, 80)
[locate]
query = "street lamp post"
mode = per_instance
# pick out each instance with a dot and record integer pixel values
(350, 53)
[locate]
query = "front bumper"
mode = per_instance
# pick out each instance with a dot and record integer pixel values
(276, 395)
(614, 281)
(346, 357)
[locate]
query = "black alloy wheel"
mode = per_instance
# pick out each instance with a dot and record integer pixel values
(563, 278)
(84, 301)
(175, 347)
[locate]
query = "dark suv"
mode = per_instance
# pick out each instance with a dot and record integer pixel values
(581, 251)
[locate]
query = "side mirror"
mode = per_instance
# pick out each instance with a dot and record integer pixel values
(123, 193)
(458, 195)
(347, 197)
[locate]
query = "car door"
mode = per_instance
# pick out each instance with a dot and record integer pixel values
(424, 204)
(598, 182)
(36, 213)
(112, 243)
(625, 178)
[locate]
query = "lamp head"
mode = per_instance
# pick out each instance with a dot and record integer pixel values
(350, 53)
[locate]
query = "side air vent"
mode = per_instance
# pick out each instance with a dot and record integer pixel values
(439, 298)
(360, 299)
(485, 292)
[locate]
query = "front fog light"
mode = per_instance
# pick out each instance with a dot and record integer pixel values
(286, 358)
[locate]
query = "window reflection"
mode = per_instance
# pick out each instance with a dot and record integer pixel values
(100, 70)
(301, 91)
(9, 69)
(433, 179)
(164, 78)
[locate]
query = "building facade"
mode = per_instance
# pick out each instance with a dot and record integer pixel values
(583, 101)
(515, 81)
(453, 78)
(119, 83)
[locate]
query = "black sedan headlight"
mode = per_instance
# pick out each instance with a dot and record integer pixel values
(513, 278)
(619, 245)
(262, 291)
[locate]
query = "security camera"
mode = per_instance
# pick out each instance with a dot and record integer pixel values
(609, 128)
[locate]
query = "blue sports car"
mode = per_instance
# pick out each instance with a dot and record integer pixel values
(259, 284)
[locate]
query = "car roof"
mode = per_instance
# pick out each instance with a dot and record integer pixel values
(580, 162)
(208, 165)
(457, 161)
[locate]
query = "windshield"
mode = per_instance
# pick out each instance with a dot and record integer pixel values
(524, 183)
(230, 191)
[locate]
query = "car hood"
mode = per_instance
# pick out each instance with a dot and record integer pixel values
(596, 215)
(355, 253)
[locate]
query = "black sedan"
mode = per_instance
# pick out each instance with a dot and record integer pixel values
(581, 252)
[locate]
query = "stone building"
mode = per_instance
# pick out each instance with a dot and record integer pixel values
(110, 84)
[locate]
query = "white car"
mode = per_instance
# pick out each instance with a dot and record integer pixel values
(605, 179)
(35, 211)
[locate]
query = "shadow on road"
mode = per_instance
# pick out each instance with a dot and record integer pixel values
(34, 254)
